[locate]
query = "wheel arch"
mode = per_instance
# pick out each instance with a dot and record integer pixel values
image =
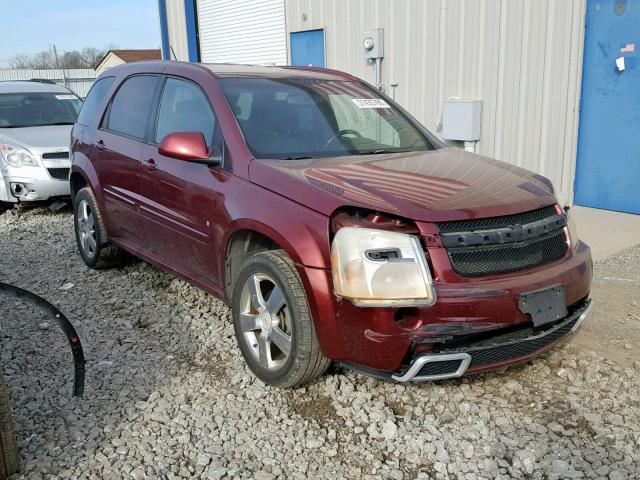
(247, 237)
(83, 174)
(77, 182)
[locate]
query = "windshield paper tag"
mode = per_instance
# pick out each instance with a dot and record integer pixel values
(370, 103)
(66, 97)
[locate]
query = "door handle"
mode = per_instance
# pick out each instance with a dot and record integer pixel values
(150, 165)
(100, 145)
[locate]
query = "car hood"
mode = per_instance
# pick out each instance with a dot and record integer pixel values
(437, 185)
(55, 137)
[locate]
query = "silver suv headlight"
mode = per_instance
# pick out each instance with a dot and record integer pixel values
(17, 156)
(378, 268)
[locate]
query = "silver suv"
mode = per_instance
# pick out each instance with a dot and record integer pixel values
(35, 125)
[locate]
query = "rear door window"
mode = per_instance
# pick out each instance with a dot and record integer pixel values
(93, 101)
(132, 106)
(184, 108)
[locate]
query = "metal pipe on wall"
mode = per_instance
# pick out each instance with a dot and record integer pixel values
(379, 73)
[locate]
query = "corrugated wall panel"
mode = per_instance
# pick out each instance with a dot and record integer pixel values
(522, 58)
(242, 31)
(177, 29)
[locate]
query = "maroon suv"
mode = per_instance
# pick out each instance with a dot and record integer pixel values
(335, 225)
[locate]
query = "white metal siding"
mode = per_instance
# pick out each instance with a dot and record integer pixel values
(177, 30)
(523, 59)
(242, 31)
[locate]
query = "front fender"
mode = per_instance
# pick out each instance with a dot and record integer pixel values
(303, 233)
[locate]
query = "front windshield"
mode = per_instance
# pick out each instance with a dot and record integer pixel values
(37, 109)
(305, 118)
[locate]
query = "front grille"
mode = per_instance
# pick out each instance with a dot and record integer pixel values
(489, 260)
(59, 173)
(55, 155)
(499, 254)
(497, 222)
(440, 368)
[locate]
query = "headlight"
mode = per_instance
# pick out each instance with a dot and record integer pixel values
(17, 156)
(572, 230)
(377, 268)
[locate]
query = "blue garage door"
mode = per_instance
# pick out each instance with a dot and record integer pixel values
(608, 164)
(307, 48)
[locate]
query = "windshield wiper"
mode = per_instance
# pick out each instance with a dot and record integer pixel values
(298, 157)
(376, 152)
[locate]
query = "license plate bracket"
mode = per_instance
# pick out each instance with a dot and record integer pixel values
(545, 306)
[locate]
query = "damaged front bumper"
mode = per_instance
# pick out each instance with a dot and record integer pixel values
(35, 183)
(497, 351)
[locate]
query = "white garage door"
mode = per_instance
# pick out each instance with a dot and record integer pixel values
(242, 31)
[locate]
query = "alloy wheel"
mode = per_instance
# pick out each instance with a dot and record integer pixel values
(86, 229)
(265, 321)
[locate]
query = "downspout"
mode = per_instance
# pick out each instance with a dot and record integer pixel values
(191, 16)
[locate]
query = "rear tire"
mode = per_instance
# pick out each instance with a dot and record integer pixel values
(273, 323)
(8, 447)
(91, 234)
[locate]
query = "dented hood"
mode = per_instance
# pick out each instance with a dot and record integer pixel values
(437, 185)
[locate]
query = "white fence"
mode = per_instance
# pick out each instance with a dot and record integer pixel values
(78, 80)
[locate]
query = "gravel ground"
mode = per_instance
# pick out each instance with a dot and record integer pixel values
(168, 395)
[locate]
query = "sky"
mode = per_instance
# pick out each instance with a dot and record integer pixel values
(30, 26)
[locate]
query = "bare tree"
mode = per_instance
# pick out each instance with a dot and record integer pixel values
(88, 57)
(43, 60)
(72, 59)
(20, 61)
(92, 56)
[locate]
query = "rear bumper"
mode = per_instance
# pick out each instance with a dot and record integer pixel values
(477, 358)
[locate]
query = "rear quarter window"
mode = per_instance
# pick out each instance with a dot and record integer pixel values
(93, 101)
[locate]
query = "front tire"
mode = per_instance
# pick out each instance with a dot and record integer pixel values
(91, 234)
(273, 323)
(8, 448)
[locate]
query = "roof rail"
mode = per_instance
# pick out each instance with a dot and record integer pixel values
(43, 80)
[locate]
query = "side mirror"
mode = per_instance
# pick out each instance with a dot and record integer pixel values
(189, 146)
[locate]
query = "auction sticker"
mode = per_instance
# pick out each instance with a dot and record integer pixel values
(66, 97)
(370, 103)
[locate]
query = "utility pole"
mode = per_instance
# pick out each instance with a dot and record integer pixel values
(55, 54)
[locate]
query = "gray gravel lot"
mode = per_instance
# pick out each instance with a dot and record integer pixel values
(168, 395)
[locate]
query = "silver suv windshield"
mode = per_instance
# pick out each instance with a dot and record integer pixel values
(38, 109)
(294, 118)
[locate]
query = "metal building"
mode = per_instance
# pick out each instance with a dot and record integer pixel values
(522, 60)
